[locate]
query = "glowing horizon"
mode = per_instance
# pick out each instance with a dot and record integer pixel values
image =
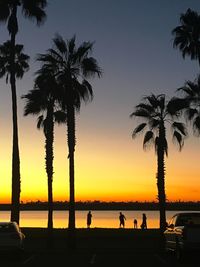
(136, 61)
(125, 176)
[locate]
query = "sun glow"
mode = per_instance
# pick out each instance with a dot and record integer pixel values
(110, 170)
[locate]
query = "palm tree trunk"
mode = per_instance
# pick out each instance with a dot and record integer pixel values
(50, 204)
(161, 192)
(71, 147)
(49, 163)
(161, 178)
(15, 205)
(72, 192)
(161, 185)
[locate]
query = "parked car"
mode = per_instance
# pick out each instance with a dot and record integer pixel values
(183, 234)
(11, 237)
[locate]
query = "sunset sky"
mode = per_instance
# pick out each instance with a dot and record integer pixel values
(134, 48)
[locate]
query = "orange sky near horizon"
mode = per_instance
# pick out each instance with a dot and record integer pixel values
(136, 61)
(108, 170)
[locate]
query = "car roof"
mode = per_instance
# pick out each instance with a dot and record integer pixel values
(187, 213)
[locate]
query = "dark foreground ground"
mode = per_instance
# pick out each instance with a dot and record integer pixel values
(95, 248)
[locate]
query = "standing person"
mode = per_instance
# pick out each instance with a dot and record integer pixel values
(144, 221)
(122, 219)
(89, 219)
(135, 223)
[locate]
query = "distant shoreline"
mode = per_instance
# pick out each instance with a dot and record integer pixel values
(97, 205)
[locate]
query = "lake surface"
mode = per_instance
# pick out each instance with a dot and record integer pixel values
(104, 219)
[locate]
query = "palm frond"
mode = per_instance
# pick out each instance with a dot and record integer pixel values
(87, 94)
(34, 10)
(83, 51)
(4, 11)
(138, 129)
(148, 138)
(153, 100)
(140, 113)
(190, 113)
(90, 67)
(180, 127)
(196, 126)
(35, 102)
(71, 45)
(145, 106)
(40, 122)
(154, 123)
(60, 44)
(177, 137)
(60, 116)
(55, 55)
(161, 101)
(175, 105)
(185, 89)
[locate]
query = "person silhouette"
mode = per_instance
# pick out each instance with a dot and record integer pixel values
(122, 219)
(135, 223)
(144, 221)
(89, 219)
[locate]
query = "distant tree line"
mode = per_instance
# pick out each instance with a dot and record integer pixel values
(98, 205)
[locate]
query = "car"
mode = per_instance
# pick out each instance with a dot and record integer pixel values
(11, 237)
(183, 234)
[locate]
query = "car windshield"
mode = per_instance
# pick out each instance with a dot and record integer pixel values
(193, 219)
(7, 228)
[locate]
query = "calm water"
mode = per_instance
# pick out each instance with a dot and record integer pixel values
(105, 219)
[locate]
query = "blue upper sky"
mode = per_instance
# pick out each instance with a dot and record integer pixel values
(133, 44)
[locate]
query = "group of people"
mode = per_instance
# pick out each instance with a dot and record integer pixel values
(122, 219)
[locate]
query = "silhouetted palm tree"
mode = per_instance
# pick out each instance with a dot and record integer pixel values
(42, 100)
(191, 92)
(156, 112)
(71, 67)
(187, 35)
(21, 66)
(32, 9)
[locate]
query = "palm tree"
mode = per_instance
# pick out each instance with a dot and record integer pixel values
(156, 112)
(21, 66)
(71, 67)
(32, 9)
(187, 35)
(42, 101)
(191, 91)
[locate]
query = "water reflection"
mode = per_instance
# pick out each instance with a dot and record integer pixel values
(104, 219)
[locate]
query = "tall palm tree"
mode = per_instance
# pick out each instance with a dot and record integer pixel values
(187, 35)
(72, 67)
(32, 9)
(191, 91)
(156, 111)
(21, 66)
(42, 101)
